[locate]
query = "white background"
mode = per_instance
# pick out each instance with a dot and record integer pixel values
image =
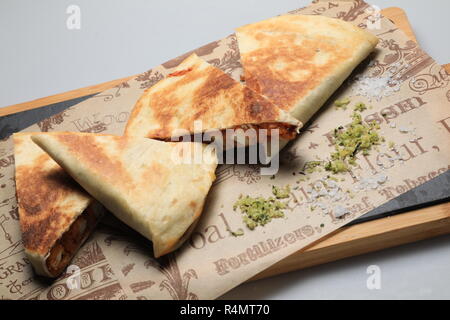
(39, 56)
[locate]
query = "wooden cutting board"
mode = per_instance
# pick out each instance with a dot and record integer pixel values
(345, 242)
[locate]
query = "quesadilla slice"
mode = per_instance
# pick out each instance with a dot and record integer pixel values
(298, 61)
(198, 91)
(56, 215)
(148, 184)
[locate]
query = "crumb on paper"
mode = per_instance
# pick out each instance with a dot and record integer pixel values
(340, 211)
(281, 192)
(342, 103)
(312, 166)
(404, 129)
(239, 232)
(360, 107)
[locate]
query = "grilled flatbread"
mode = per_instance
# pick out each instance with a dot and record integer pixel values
(148, 184)
(56, 215)
(298, 61)
(196, 91)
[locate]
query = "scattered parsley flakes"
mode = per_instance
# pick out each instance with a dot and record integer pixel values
(239, 232)
(259, 211)
(360, 107)
(336, 166)
(342, 103)
(312, 166)
(357, 137)
(280, 192)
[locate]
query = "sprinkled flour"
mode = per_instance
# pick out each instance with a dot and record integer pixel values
(376, 87)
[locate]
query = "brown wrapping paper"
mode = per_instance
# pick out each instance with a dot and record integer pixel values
(116, 262)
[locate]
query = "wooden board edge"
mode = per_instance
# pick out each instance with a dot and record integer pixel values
(60, 97)
(368, 237)
(399, 17)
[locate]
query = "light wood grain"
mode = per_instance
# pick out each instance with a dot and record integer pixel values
(61, 97)
(368, 237)
(398, 16)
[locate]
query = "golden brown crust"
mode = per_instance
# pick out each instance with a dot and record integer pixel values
(288, 58)
(51, 206)
(93, 156)
(199, 91)
(138, 180)
(42, 198)
(278, 85)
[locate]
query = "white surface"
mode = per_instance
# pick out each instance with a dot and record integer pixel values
(39, 56)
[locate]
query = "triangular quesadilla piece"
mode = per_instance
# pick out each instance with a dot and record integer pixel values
(56, 215)
(198, 91)
(298, 61)
(150, 185)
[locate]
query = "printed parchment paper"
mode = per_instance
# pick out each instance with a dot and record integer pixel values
(116, 263)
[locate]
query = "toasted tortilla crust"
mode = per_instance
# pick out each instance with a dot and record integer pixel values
(198, 91)
(298, 61)
(49, 199)
(139, 180)
(49, 202)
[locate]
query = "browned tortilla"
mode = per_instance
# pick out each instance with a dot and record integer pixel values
(196, 91)
(50, 204)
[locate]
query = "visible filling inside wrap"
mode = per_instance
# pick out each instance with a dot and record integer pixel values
(285, 132)
(65, 247)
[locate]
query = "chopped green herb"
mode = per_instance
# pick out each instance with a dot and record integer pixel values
(336, 166)
(259, 211)
(281, 193)
(360, 107)
(357, 137)
(239, 232)
(312, 166)
(343, 103)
